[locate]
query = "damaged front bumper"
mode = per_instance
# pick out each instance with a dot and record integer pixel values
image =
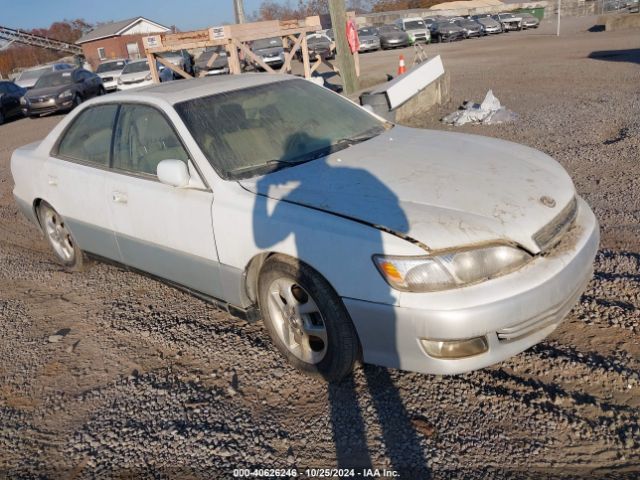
(509, 314)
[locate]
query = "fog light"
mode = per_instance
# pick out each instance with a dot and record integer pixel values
(451, 349)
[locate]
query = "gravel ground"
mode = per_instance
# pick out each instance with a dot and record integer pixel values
(110, 374)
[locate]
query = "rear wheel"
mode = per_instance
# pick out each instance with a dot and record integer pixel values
(306, 319)
(64, 246)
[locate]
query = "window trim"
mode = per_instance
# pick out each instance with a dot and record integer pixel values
(102, 53)
(55, 153)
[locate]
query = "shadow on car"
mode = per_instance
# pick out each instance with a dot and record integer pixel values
(270, 227)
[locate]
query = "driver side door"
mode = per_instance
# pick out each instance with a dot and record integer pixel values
(160, 229)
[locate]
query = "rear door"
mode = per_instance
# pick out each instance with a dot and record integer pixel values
(75, 179)
(160, 229)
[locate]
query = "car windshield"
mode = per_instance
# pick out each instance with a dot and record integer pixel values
(54, 79)
(32, 74)
(316, 40)
(136, 67)
(414, 25)
(258, 130)
(267, 43)
(110, 66)
(367, 32)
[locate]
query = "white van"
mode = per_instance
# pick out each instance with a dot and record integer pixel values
(416, 28)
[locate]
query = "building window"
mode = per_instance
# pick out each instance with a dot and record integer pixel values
(133, 50)
(101, 54)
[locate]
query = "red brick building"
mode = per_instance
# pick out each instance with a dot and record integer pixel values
(121, 39)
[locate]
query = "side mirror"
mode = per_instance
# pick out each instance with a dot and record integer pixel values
(174, 173)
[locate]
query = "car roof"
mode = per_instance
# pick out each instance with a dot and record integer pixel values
(183, 90)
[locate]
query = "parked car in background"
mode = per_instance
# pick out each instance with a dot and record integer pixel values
(529, 20)
(471, 28)
(320, 45)
(219, 66)
(415, 28)
(369, 39)
(10, 95)
(110, 72)
(428, 21)
(446, 32)
(509, 21)
(28, 78)
(490, 25)
(138, 74)
(392, 36)
(270, 50)
(61, 91)
(181, 59)
(276, 197)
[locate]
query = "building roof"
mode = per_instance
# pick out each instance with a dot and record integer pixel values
(114, 28)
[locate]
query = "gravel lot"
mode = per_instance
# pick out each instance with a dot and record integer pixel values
(143, 380)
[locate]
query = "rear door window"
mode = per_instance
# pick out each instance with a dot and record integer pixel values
(89, 137)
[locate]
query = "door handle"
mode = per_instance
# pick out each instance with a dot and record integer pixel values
(119, 197)
(53, 181)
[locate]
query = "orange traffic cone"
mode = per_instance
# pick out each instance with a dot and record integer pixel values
(401, 66)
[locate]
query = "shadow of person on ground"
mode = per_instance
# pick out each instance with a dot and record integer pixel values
(273, 222)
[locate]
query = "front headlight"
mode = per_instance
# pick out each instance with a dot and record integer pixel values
(451, 269)
(66, 94)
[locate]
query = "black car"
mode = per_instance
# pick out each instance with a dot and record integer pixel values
(10, 95)
(446, 32)
(391, 36)
(206, 64)
(61, 91)
(319, 45)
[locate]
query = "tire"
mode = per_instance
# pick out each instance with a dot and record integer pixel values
(320, 341)
(1, 117)
(77, 100)
(59, 237)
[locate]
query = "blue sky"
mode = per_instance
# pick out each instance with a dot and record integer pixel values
(185, 14)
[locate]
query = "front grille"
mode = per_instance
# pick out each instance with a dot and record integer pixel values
(551, 233)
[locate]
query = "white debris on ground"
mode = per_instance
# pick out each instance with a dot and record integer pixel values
(489, 112)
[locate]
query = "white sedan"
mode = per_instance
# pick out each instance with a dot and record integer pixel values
(352, 238)
(137, 74)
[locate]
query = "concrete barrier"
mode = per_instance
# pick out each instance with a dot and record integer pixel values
(620, 22)
(411, 94)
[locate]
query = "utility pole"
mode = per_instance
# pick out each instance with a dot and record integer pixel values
(559, 7)
(238, 7)
(346, 63)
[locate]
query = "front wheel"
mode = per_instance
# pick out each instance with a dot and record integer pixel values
(306, 319)
(55, 229)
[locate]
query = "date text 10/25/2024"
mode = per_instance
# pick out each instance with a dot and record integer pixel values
(314, 473)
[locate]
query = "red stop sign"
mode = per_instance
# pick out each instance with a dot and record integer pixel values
(352, 36)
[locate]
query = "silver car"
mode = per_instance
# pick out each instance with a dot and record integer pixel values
(110, 72)
(529, 20)
(369, 39)
(350, 237)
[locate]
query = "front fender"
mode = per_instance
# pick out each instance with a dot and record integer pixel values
(340, 249)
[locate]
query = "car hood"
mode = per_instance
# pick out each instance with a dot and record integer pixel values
(47, 91)
(441, 189)
(269, 51)
(112, 73)
(134, 76)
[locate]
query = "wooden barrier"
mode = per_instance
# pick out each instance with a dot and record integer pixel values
(234, 39)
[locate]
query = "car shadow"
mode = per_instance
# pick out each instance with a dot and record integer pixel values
(631, 55)
(273, 223)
